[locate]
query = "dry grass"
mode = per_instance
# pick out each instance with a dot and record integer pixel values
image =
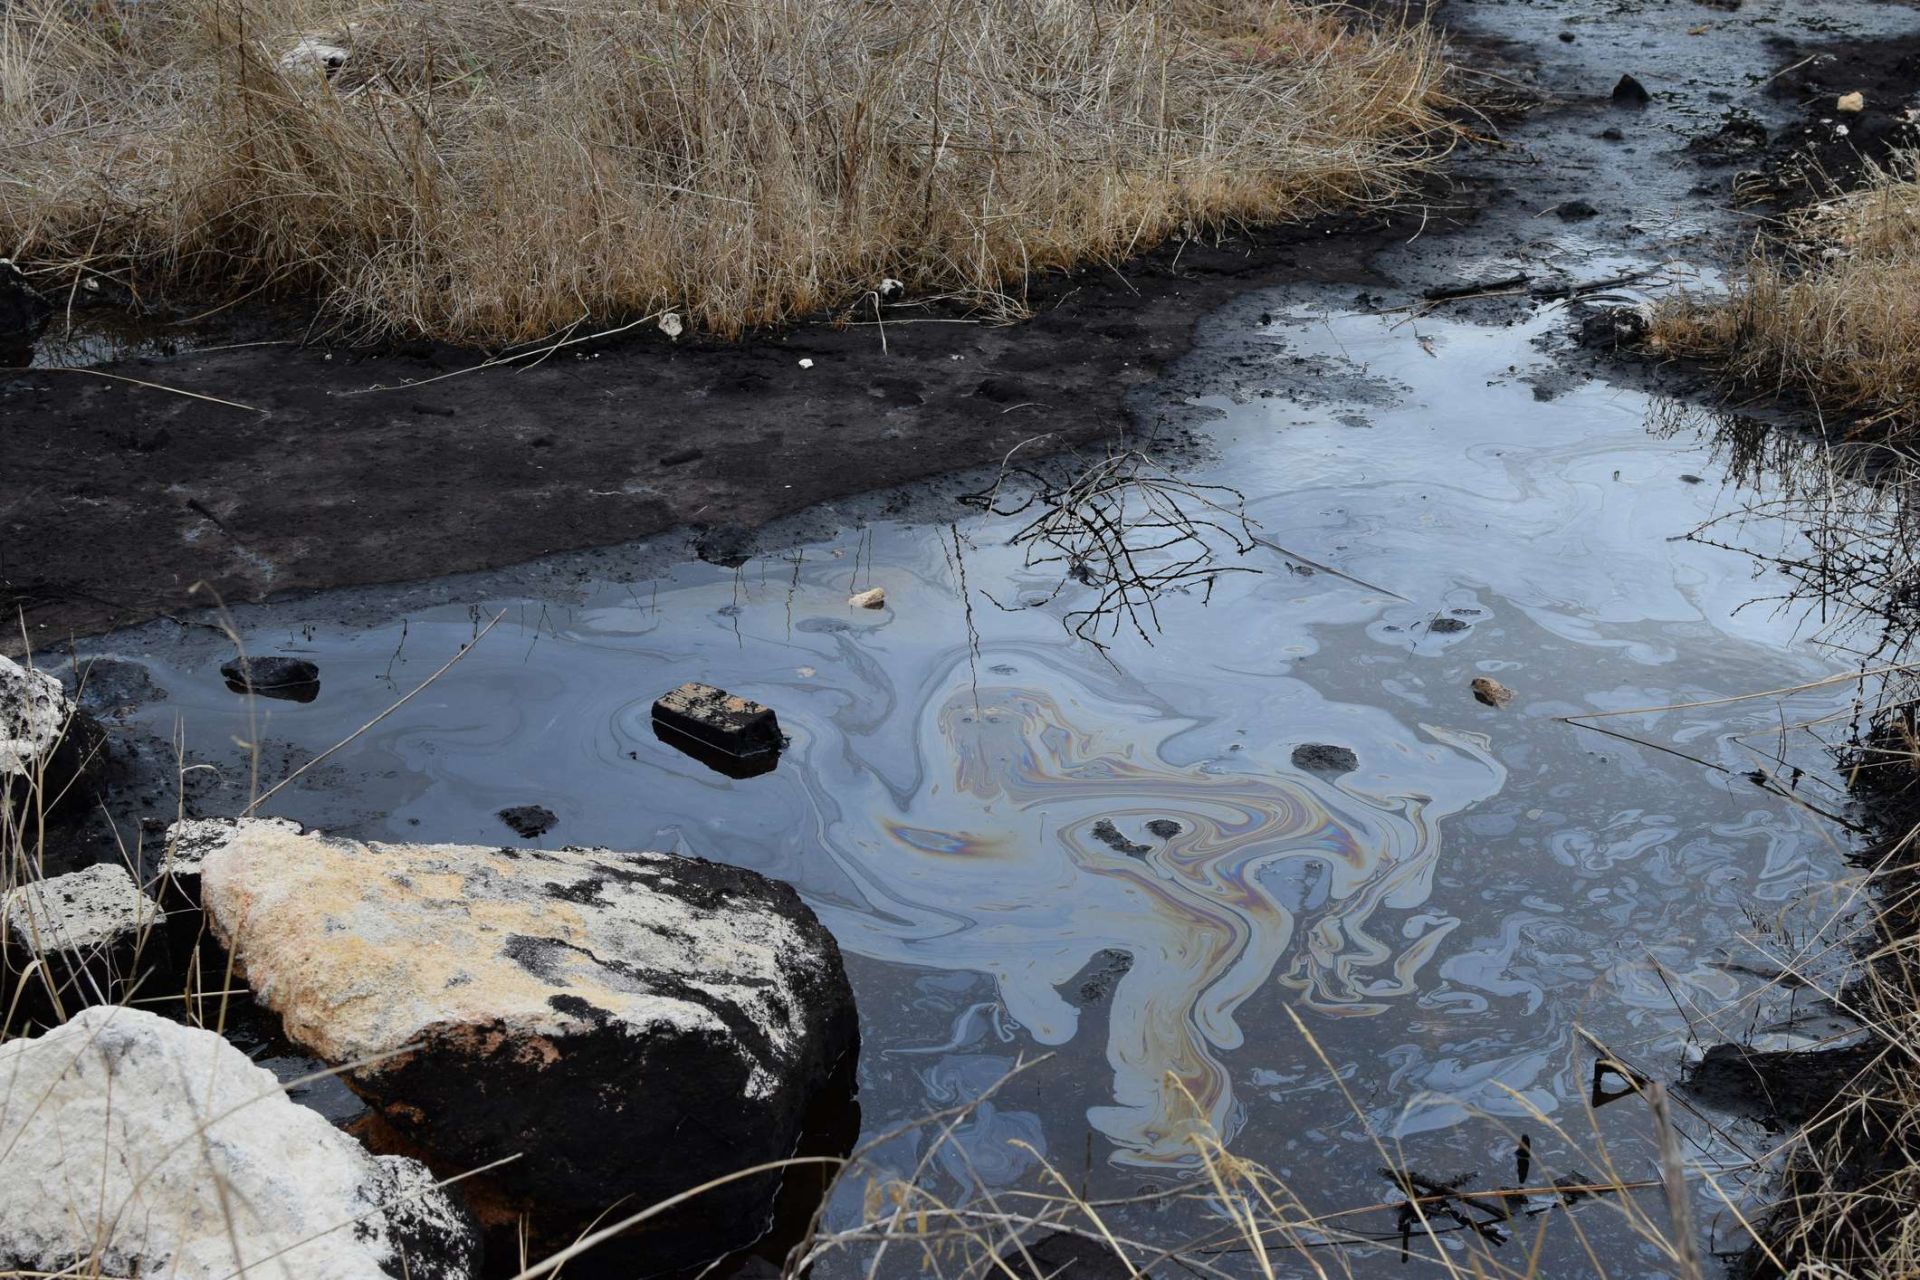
(1850, 1205)
(1831, 311)
(503, 170)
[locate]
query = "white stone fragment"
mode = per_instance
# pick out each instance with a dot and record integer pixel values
(82, 913)
(34, 713)
(139, 1146)
(315, 54)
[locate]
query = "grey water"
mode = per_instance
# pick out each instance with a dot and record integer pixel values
(1028, 845)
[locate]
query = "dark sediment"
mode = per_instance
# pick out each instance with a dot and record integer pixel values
(355, 467)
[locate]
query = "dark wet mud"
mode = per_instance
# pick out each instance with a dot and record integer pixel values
(1271, 870)
(289, 467)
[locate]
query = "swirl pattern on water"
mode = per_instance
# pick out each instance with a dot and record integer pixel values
(1065, 835)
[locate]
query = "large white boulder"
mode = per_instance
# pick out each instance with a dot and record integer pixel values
(135, 1146)
(625, 1025)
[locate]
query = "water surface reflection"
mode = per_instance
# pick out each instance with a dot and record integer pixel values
(1024, 844)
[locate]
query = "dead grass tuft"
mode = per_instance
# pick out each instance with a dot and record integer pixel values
(1831, 312)
(503, 170)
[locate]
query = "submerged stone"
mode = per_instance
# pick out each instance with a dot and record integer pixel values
(138, 1146)
(628, 1025)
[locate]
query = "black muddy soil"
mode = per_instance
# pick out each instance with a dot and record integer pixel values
(335, 467)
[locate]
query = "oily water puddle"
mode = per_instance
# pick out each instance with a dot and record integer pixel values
(1026, 846)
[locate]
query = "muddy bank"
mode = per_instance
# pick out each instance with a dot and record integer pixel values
(346, 468)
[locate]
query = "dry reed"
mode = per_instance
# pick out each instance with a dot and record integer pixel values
(503, 170)
(1830, 310)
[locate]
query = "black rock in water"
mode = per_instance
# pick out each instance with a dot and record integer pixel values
(1323, 758)
(719, 719)
(290, 679)
(1630, 93)
(529, 820)
(1613, 328)
(1106, 833)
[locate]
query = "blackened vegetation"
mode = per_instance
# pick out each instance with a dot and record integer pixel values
(1106, 833)
(1433, 1204)
(1127, 528)
(23, 315)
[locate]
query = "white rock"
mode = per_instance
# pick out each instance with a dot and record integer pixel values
(572, 1008)
(671, 325)
(138, 1146)
(315, 54)
(84, 913)
(1851, 103)
(188, 843)
(34, 713)
(871, 598)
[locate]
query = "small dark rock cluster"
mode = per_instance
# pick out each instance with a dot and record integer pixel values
(529, 820)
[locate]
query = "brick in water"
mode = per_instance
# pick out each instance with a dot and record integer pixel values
(718, 719)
